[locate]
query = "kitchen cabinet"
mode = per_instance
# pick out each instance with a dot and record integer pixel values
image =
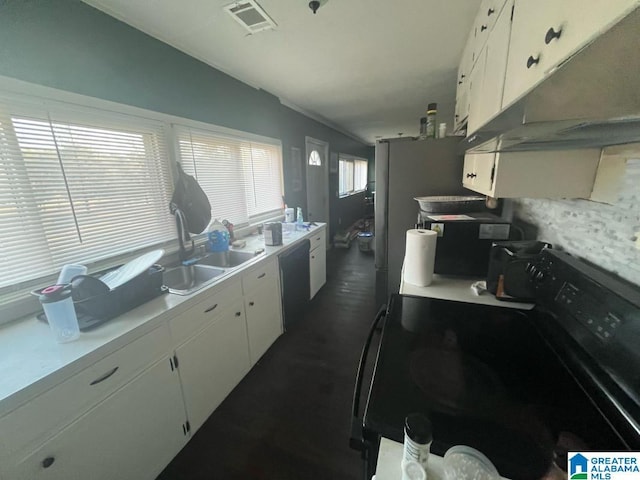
(132, 434)
(263, 307)
(317, 262)
(483, 25)
(561, 174)
(462, 89)
(47, 414)
(545, 33)
(488, 74)
(213, 362)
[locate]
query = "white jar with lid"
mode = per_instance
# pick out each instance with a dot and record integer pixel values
(418, 436)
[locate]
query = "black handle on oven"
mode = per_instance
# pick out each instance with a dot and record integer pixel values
(356, 441)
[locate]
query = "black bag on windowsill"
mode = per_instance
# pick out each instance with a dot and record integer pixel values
(189, 198)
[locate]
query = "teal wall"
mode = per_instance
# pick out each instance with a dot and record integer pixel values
(71, 46)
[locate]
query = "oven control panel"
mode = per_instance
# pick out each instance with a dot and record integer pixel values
(603, 324)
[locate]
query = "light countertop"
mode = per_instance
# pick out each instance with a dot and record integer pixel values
(448, 287)
(390, 458)
(31, 361)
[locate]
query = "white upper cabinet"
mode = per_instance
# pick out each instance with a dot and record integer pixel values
(545, 33)
(491, 66)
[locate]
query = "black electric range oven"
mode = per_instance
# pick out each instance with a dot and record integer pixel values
(523, 387)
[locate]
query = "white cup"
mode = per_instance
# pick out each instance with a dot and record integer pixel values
(69, 271)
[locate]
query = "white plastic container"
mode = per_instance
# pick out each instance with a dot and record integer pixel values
(69, 271)
(58, 307)
(466, 463)
(289, 215)
(418, 436)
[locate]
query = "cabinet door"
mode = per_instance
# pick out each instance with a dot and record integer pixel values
(479, 172)
(213, 362)
(547, 32)
(475, 93)
(133, 434)
(317, 270)
(462, 89)
(264, 319)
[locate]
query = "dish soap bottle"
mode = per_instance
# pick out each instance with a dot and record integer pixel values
(218, 237)
(299, 219)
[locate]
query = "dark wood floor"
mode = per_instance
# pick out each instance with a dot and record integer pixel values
(290, 416)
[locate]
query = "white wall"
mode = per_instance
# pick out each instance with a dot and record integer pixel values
(607, 235)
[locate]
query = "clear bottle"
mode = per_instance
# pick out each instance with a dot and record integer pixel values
(432, 110)
(299, 218)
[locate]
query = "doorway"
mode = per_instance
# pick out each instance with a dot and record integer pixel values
(317, 180)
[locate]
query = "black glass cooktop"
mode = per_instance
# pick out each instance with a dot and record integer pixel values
(485, 377)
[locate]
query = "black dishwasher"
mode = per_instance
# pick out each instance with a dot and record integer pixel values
(294, 274)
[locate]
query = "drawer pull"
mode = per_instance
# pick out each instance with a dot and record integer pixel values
(490, 12)
(551, 34)
(262, 275)
(312, 256)
(47, 462)
(483, 28)
(251, 304)
(238, 314)
(105, 376)
(471, 175)
(532, 61)
(211, 308)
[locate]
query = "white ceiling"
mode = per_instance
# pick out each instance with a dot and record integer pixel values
(369, 67)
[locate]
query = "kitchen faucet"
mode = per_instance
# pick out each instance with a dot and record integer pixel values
(183, 234)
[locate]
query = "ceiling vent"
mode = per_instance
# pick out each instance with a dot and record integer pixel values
(250, 15)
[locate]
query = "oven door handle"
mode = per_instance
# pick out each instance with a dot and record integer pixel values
(356, 441)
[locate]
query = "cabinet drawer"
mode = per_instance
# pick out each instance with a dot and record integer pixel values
(265, 273)
(185, 325)
(30, 425)
(319, 238)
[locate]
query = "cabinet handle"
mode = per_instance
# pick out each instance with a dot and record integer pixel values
(105, 376)
(238, 314)
(490, 12)
(251, 304)
(47, 462)
(262, 275)
(471, 175)
(312, 256)
(551, 34)
(532, 61)
(211, 308)
(318, 239)
(462, 76)
(483, 28)
(459, 82)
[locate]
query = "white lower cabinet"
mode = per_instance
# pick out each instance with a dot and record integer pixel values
(213, 362)
(264, 319)
(132, 434)
(317, 270)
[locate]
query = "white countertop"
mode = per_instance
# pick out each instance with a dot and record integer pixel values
(448, 287)
(390, 458)
(31, 361)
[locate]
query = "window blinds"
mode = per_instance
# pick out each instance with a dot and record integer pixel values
(352, 175)
(78, 186)
(242, 179)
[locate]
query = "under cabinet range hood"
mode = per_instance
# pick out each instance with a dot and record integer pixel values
(590, 100)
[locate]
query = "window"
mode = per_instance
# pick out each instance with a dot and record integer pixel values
(77, 186)
(242, 178)
(352, 175)
(314, 159)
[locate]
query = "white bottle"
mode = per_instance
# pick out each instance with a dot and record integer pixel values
(418, 436)
(289, 215)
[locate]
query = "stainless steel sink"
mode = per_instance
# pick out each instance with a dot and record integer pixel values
(227, 259)
(184, 280)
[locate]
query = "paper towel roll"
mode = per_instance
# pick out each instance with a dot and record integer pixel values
(419, 256)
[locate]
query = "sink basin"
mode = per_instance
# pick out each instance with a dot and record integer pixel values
(184, 280)
(229, 259)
